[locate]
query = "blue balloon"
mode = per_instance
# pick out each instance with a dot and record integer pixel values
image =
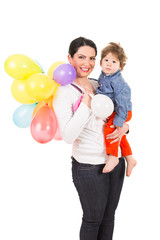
(39, 65)
(22, 116)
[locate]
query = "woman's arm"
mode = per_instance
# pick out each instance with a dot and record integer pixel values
(71, 124)
(118, 133)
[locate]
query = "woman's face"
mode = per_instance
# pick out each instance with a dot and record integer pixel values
(83, 61)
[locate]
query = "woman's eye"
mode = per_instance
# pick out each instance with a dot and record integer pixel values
(81, 57)
(114, 61)
(93, 58)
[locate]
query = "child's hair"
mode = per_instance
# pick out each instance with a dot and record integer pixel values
(117, 50)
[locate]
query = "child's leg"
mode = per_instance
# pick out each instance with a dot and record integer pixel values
(127, 152)
(125, 147)
(111, 149)
(131, 163)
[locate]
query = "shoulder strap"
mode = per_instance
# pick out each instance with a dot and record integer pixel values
(93, 79)
(77, 88)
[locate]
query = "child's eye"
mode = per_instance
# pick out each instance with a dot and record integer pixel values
(114, 61)
(106, 60)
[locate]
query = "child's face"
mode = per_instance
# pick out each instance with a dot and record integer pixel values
(110, 64)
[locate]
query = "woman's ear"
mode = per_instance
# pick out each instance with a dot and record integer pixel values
(69, 58)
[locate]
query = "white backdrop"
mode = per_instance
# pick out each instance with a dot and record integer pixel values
(37, 198)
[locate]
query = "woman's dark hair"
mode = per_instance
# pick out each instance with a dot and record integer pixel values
(80, 42)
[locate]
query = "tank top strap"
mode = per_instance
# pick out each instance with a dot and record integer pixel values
(77, 88)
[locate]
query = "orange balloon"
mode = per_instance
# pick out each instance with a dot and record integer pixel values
(45, 102)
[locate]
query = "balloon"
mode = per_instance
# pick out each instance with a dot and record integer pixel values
(45, 102)
(48, 102)
(20, 67)
(39, 86)
(44, 125)
(22, 116)
(102, 106)
(57, 135)
(42, 71)
(64, 74)
(19, 93)
(53, 67)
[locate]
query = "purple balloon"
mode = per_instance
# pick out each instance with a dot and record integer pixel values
(64, 74)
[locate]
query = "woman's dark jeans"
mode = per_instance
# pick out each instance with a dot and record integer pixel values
(99, 195)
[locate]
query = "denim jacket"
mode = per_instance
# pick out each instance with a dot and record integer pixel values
(115, 87)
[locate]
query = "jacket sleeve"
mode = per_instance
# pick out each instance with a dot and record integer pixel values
(122, 95)
(70, 124)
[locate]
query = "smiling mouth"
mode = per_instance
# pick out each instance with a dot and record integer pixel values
(85, 69)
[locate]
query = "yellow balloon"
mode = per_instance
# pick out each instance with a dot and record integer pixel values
(20, 67)
(53, 67)
(19, 93)
(39, 86)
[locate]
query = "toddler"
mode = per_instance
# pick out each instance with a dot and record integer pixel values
(112, 84)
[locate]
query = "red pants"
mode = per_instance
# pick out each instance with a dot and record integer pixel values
(124, 144)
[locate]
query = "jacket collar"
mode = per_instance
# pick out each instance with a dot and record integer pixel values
(113, 74)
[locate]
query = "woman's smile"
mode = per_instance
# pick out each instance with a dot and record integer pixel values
(85, 69)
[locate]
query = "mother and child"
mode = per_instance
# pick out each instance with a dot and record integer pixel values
(98, 165)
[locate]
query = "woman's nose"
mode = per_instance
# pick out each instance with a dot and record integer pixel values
(87, 62)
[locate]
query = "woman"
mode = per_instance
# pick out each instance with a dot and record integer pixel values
(98, 192)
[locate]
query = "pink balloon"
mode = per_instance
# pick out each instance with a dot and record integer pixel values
(44, 125)
(57, 136)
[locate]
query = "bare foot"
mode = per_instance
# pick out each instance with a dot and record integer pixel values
(131, 163)
(111, 164)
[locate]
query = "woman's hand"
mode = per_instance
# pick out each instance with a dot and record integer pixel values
(118, 133)
(87, 98)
